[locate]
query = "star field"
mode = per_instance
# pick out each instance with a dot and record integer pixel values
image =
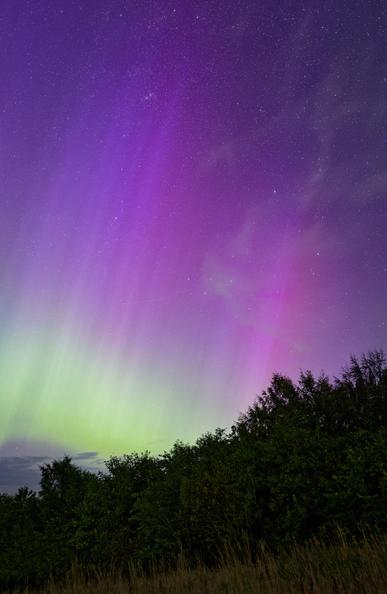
(193, 196)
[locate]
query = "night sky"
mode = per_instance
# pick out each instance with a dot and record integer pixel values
(192, 196)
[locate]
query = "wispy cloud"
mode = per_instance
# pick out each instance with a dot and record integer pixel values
(17, 471)
(20, 471)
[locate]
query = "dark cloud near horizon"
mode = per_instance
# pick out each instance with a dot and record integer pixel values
(85, 456)
(20, 471)
(24, 471)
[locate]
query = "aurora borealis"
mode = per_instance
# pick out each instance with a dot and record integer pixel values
(193, 196)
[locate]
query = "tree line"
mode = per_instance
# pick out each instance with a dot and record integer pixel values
(306, 458)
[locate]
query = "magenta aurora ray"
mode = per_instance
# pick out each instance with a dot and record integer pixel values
(193, 196)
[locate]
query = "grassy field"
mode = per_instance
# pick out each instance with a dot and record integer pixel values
(317, 568)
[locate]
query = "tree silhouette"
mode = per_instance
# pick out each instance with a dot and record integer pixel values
(304, 458)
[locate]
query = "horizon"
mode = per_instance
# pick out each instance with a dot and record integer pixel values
(21, 462)
(193, 197)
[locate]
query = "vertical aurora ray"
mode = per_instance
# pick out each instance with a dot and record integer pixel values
(181, 210)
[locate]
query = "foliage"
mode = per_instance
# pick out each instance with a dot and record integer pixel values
(347, 567)
(304, 459)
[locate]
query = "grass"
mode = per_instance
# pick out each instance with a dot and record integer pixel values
(316, 568)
